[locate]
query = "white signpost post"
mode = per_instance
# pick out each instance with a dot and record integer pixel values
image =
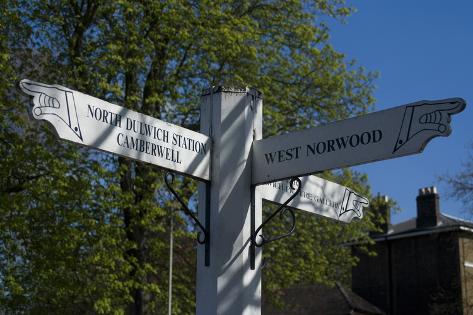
(232, 160)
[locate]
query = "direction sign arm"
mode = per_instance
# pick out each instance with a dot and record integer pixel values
(382, 135)
(318, 196)
(93, 122)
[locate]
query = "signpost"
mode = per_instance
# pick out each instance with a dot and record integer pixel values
(377, 136)
(231, 158)
(90, 121)
(318, 196)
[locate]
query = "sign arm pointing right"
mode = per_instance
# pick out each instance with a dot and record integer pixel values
(381, 135)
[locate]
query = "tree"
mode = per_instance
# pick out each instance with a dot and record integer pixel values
(102, 221)
(461, 184)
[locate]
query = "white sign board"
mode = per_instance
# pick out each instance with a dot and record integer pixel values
(90, 121)
(377, 136)
(318, 196)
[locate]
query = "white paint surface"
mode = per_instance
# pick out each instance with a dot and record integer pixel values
(318, 196)
(90, 121)
(377, 136)
(233, 118)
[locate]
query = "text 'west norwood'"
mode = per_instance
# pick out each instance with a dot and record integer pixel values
(325, 146)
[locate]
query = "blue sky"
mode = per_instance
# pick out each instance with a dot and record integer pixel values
(422, 49)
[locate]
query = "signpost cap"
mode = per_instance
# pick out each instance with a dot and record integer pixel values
(230, 89)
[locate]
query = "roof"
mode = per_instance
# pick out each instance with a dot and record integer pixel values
(321, 299)
(408, 228)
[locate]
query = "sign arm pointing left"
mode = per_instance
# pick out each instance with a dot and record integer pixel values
(90, 121)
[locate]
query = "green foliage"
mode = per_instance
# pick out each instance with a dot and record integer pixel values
(84, 232)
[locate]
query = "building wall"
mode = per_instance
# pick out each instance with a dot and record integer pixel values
(466, 267)
(414, 275)
(370, 277)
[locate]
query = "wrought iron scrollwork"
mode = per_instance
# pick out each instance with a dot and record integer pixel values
(282, 210)
(169, 180)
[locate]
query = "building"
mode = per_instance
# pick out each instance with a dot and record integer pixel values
(321, 299)
(423, 265)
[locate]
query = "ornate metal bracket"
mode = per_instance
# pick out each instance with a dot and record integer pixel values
(282, 210)
(169, 180)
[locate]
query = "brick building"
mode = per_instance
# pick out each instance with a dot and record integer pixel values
(424, 265)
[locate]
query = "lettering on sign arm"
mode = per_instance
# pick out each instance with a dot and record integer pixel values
(283, 155)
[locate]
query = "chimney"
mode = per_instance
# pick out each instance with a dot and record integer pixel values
(428, 207)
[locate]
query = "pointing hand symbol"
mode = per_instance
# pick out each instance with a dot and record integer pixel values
(427, 119)
(53, 100)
